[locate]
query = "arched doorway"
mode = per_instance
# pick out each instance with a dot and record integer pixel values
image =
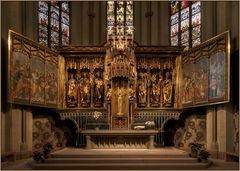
(170, 128)
(69, 128)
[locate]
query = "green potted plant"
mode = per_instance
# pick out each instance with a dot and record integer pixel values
(203, 155)
(195, 148)
(38, 156)
(41, 156)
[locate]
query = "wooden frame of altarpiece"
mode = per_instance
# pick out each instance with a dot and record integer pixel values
(33, 77)
(206, 73)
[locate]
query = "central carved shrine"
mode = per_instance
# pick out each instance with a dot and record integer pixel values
(135, 89)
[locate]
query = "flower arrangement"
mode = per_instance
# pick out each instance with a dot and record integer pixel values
(97, 115)
(195, 148)
(203, 155)
(41, 156)
(149, 124)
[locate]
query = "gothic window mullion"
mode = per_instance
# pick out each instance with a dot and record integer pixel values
(49, 24)
(190, 26)
(60, 23)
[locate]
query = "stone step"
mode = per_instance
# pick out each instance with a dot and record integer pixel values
(130, 155)
(121, 166)
(121, 160)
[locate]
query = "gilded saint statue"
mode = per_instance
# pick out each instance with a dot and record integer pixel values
(120, 96)
(142, 90)
(72, 92)
(98, 90)
(167, 90)
(85, 88)
(155, 91)
(109, 93)
(131, 93)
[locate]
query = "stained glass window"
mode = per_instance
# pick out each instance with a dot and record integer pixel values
(122, 23)
(54, 23)
(185, 23)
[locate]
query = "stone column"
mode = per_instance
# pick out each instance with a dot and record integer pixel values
(88, 142)
(214, 144)
(29, 129)
(151, 142)
(23, 145)
(15, 126)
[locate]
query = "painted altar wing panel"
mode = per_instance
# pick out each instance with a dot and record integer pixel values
(217, 76)
(211, 61)
(188, 84)
(51, 88)
(21, 82)
(201, 81)
(37, 80)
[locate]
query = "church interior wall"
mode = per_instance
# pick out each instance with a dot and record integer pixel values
(88, 28)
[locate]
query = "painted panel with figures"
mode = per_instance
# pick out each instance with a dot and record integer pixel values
(33, 73)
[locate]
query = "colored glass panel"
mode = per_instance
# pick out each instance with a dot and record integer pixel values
(54, 38)
(110, 18)
(181, 25)
(184, 14)
(196, 8)
(43, 7)
(129, 13)
(65, 18)
(196, 32)
(43, 22)
(65, 34)
(174, 40)
(185, 37)
(175, 6)
(185, 25)
(65, 7)
(196, 19)
(57, 9)
(174, 30)
(174, 19)
(196, 42)
(184, 4)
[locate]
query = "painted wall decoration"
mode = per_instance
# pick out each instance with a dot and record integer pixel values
(236, 132)
(206, 70)
(193, 131)
(45, 131)
(33, 73)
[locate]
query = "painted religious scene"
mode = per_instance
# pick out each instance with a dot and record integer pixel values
(34, 73)
(205, 73)
(188, 84)
(201, 81)
(217, 76)
(51, 86)
(37, 81)
(21, 78)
